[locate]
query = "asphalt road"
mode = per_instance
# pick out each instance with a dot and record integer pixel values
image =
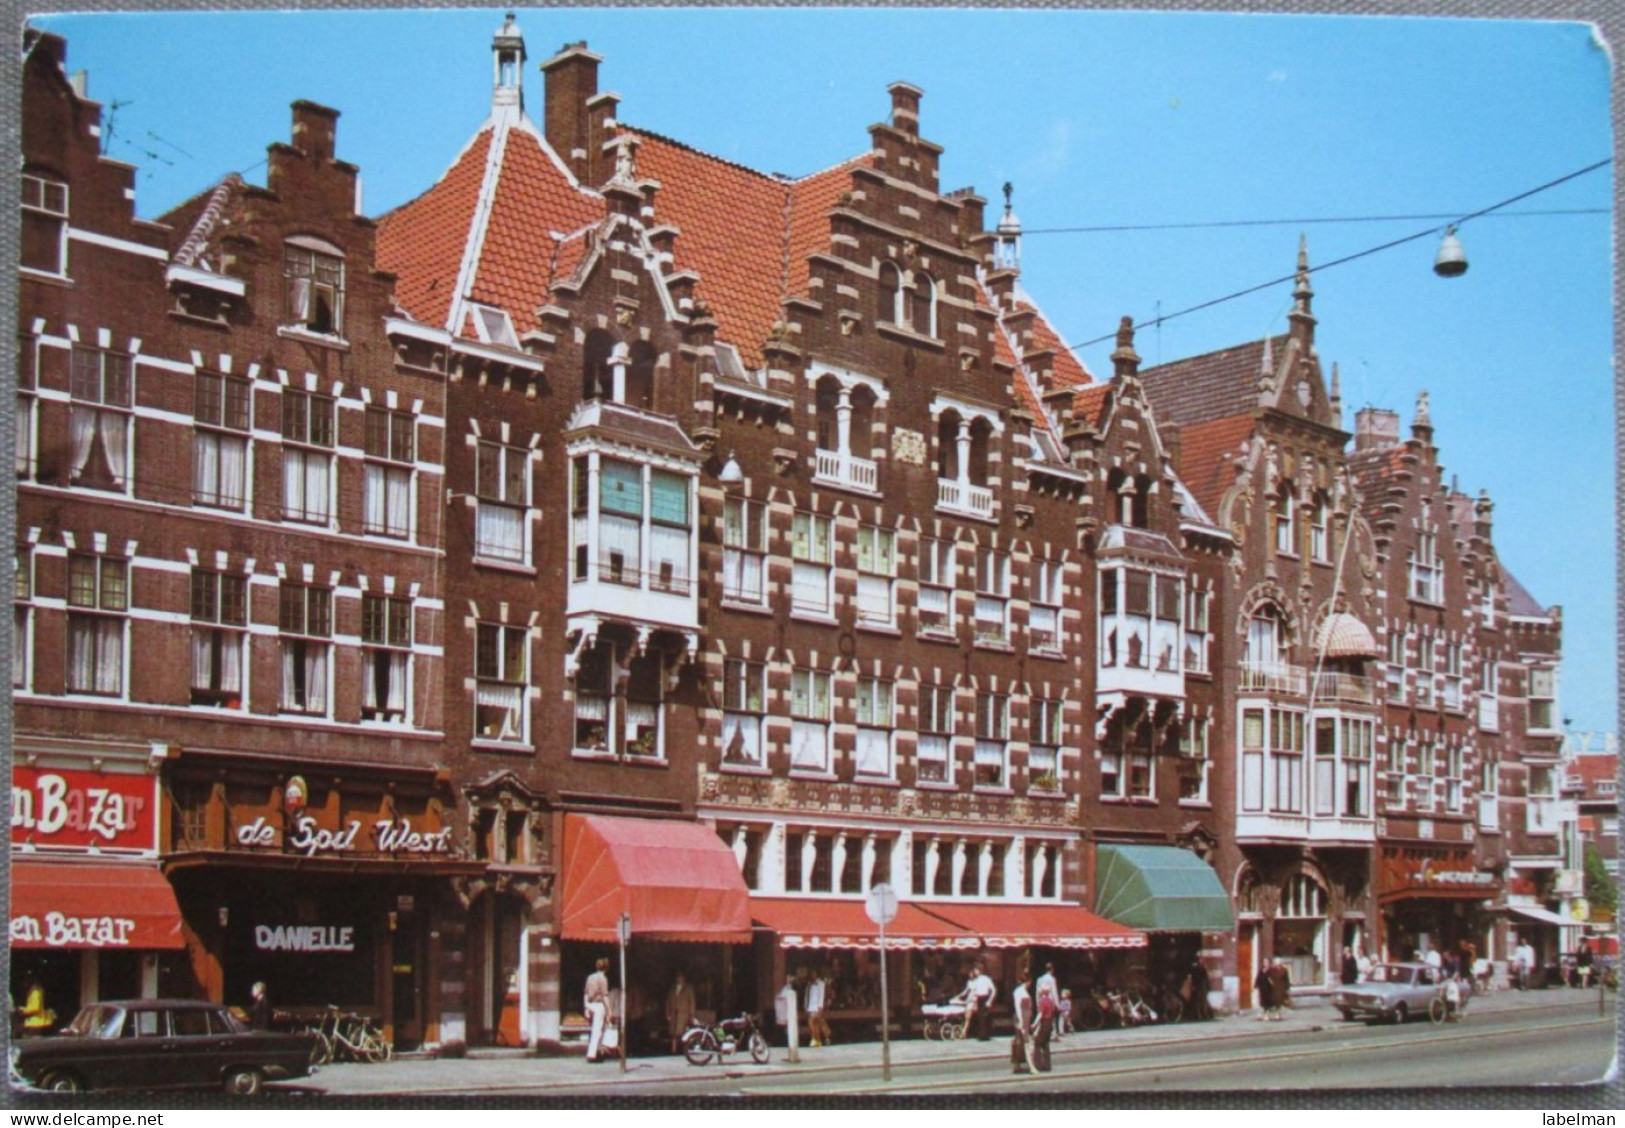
(1510, 1040)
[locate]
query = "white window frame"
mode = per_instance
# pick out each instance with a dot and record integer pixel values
(39, 207)
(811, 702)
(1198, 604)
(993, 739)
(992, 616)
(1046, 731)
(98, 624)
(938, 573)
(1424, 569)
(100, 412)
(219, 633)
(313, 269)
(812, 553)
(501, 692)
(219, 432)
(1285, 511)
(876, 707)
(501, 520)
(389, 497)
(309, 429)
(744, 552)
(22, 622)
(877, 576)
(1045, 624)
(744, 716)
(1195, 761)
(935, 727)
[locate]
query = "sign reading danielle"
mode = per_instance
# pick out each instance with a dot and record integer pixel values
(304, 938)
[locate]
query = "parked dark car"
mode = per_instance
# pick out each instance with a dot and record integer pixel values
(159, 1044)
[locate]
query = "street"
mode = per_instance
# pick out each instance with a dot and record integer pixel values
(1311, 1049)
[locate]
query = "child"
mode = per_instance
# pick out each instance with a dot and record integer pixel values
(1063, 1020)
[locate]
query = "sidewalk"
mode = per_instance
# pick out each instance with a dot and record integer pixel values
(498, 1071)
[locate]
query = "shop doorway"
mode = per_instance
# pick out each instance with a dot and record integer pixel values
(406, 963)
(499, 921)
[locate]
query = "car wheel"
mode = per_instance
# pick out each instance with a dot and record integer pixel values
(1438, 1011)
(1348, 1015)
(244, 1082)
(1401, 1014)
(62, 1081)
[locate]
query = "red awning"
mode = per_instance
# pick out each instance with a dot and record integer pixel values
(61, 904)
(1047, 926)
(845, 924)
(676, 879)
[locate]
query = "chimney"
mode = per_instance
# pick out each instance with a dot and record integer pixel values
(315, 130)
(1125, 361)
(905, 107)
(571, 84)
(1375, 427)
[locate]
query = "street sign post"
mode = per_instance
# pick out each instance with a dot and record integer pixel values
(623, 935)
(881, 905)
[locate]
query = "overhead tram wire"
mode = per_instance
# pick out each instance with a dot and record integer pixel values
(1108, 228)
(1390, 245)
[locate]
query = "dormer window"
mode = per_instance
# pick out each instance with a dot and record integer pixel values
(45, 225)
(493, 326)
(314, 272)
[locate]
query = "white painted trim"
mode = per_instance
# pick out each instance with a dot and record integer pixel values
(97, 239)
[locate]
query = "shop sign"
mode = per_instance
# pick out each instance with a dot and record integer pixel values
(304, 938)
(58, 930)
(69, 810)
(390, 836)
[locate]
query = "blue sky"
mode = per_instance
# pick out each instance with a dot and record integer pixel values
(1099, 119)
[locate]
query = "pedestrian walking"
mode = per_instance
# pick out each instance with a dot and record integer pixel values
(982, 993)
(1280, 987)
(1264, 988)
(1523, 958)
(1021, 1010)
(679, 1010)
(595, 1002)
(1198, 1007)
(37, 1017)
(1350, 972)
(1043, 1029)
(818, 1031)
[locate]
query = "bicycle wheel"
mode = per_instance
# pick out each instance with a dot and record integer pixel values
(759, 1053)
(1091, 1017)
(1438, 1010)
(370, 1047)
(931, 1029)
(1173, 1009)
(700, 1046)
(321, 1048)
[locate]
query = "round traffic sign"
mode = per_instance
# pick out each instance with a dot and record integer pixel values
(881, 904)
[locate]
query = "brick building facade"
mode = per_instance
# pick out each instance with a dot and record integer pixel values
(610, 503)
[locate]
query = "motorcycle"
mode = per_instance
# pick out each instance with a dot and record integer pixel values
(701, 1042)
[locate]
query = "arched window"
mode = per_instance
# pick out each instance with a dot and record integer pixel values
(826, 403)
(923, 302)
(948, 445)
(981, 434)
(640, 376)
(889, 294)
(1302, 898)
(595, 372)
(863, 419)
(1265, 639)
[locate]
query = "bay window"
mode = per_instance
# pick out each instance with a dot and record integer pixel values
(645, 529)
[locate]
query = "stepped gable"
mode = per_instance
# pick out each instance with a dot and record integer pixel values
(1212, 386)
(1067, 370)
(422, 241)
(1089, 403)
(811, 200)
(1208, 452)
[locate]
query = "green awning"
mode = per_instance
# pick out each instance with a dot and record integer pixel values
(1160, 889)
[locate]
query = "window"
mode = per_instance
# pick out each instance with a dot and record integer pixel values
(1542, 694)
(1044, 744)
(1111, 773)
(644, 530)
(1359, 738)
(1194, 763)
(502, 494)
(923, 305)
(937, 577)
(1452, 778)
(314, 274)
(1424, 669)
(888, 294)
(877, 568)
(1286, 757)
(305, 619)
(391, 448)
(45, 225)
(1320, 541)
(98, 598)
(1489, 696)
(1252, 759)
(99, 419)
(1196, 628)
(500, 669)
(1451, 686)
(992, 596)
(220, 441)
(307, 456)
(875, 715)
(1142, 778)
(1426, 572)
(934, 751)
(1044, 620)
(608, 723)
(22, 617)
(1285, 514)
(809, 720)
(23, 424)
(744, 552)
(219, 638)
(992, 740)
(386, 637)
(492, 326)
(744, 697)
(812, 547)
(1395, 671)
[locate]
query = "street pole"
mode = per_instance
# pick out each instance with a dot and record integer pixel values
(623, 933)
(885, 1010)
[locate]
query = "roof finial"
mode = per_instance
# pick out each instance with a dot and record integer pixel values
(1007, 247)
(1125, 361)
(508, 65)
(1336, 394)
(1423, 416)
(1267, 365)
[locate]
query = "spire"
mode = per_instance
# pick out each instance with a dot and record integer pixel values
(508, 66)
(1267, 365)
(1007, 249)
(1125, 361)
(1302, 317)
(1336, 396)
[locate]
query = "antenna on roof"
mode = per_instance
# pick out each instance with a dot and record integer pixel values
(113, 108)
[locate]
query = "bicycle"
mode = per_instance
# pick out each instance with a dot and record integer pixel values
(343, 1035)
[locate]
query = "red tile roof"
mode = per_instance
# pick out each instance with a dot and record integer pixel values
(1089, 402)
(1207, 455)
(1212, 386)
(421, 242)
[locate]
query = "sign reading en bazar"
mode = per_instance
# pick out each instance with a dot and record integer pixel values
(74, 810)
(302, 832)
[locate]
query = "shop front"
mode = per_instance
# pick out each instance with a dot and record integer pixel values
(1177, 900)
(333, 890)
(685, 908)
(92, 918)
(1434, 898)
